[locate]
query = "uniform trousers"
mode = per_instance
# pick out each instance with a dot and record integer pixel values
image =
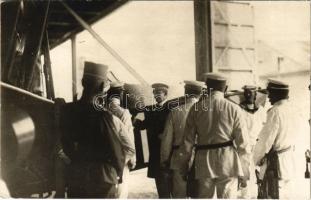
(87, 181)
(285, 189)
(91, 191)
(60, 179)
(179, 185)
(226, 188)
(123, 189)
(251, 190)
(163, 185)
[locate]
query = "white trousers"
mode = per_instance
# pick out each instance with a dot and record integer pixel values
(251, 190)
(226, 188)
(123, 189)
(285, 189)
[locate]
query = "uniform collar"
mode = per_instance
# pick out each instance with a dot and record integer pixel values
(218, 94)
(115, 102)
(192, 100)
(280, 102)
(162, 103)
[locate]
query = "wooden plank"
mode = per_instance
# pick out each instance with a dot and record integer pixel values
(233, 47)
(78, 29)
(74, 67)
(203, 42)
(235, 70)
(48, 69)
(106, 46)
(234, 33)
(55, 23)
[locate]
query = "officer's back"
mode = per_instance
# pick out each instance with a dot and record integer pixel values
(94, 140)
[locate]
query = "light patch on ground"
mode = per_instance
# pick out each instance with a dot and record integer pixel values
(140, 186)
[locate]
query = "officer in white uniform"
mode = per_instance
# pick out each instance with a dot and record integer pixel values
(255, 116)
(173, 135)
(274, 149)
(222, 142)
(115, 101)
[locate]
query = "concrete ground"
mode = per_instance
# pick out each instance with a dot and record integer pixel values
(140, 186)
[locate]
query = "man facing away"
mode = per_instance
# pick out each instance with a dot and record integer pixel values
(96, 142)
(115, 102)
(222, 142)
(173, 135)
(274, 149)
(154, 123)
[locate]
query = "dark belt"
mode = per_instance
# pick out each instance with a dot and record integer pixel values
(283, 150)
(214, 146)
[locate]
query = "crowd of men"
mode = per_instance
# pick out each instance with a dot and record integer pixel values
(203, 145)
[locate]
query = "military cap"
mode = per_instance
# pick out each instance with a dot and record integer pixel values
(215, 77)
(95, 70)
(215, 81)
(249, 87)
(277, 85)
(197, 85)
(116, 85)
(160, 86)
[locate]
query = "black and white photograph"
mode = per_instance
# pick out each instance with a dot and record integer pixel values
(155, 99)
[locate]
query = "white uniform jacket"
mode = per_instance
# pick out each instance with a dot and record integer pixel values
(216, 120)
(278, 133)
(174, 133)
(255, 122)
(125, 117)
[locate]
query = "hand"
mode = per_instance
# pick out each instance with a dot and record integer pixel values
(137, 123)
(262, 161)
(132, 163)
(64, 157)
(242, 182)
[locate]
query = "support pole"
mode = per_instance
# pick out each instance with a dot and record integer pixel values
(74, 67)
(104, 44)
(203, 37)
(47, 68)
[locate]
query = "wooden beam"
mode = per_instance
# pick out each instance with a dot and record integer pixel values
(235, 70)
(74, 67)
(80, 12)
(203, 35)
(106, 46)
(54, 23)
(105, 12)
(48, 68)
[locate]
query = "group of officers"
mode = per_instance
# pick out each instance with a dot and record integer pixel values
(206, 146)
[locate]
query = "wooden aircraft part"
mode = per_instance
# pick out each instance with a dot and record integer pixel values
(24, 43)
(62, 26)
(10, 17)
(48, 68)
(28, 142)
(123, 62)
